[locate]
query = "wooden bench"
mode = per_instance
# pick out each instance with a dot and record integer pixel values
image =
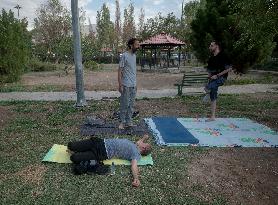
(191, 79)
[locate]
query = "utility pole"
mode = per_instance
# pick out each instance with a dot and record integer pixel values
(81, 101)
(18, 7)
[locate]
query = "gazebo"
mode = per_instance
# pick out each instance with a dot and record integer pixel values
(157, 51)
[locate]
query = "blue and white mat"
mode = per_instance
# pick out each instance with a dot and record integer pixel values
(223, 132)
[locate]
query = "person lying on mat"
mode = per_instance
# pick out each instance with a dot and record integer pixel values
(102, 149)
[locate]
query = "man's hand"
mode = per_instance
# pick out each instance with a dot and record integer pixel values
(214, 77)
(136, 183)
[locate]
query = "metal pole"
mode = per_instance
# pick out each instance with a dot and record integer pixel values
(81, 101)
(18, 7)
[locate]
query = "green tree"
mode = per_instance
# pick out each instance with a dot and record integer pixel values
(90, 48)
(129, 30)
(118, 27)
(169, 24)
(258, 20)
(141, 23)
(15, 42)
(189, 11)
(105, 28)
(51, 30)
(245, 29)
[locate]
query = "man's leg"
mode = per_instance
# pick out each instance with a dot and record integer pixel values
(123, 107)
(91, 149)
(213, 97)
(213, 109)
(213, 87)
(132, 94)
(78, 157)
(80, 146)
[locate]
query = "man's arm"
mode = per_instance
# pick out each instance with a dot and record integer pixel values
(135, 173)
(222, 73)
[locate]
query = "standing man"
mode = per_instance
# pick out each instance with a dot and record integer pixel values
(127, 83)
(218, 68)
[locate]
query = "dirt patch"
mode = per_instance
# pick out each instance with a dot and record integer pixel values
(6, 116)
(32, 174)
(241, 175)
(154, 107)
(104, 80)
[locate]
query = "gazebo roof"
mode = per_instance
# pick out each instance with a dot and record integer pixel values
(162, 39)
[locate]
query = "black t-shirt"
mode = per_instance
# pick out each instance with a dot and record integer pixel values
(218, 63)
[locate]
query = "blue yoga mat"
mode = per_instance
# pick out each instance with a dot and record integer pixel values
(169, 131)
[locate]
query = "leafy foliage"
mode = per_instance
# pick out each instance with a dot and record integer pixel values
(246, 30)
(105, 28)
(168, 24)
(51, 32)
(15, 44)
(129, 29)
(92, 65)
(118, 26)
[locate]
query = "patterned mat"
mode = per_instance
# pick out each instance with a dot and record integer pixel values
(223, 132)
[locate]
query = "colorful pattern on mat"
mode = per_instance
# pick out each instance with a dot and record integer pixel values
(59, 154)
(224, 132)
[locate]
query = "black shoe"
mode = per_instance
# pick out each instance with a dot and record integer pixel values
(102, 169)
(81, 168)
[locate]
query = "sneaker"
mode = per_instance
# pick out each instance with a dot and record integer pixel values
(206, 99)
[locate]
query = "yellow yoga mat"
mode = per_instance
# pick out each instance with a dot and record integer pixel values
(59, 154)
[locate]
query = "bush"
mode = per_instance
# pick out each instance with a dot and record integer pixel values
(15, 43)
(36, 65)
(271, 65)
(92, 65)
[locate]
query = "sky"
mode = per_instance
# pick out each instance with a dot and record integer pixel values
(151, 7)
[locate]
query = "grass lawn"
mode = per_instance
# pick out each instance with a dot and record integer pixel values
(29, 129)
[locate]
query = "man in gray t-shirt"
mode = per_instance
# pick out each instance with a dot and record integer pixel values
(101, 149)
(127, 82)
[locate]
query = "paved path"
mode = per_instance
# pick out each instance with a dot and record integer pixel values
(98, 95)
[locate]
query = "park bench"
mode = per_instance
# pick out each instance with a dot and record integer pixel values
(191, 79)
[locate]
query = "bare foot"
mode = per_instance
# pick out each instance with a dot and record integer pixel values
(210, 119)
(130, 125)
(121, 126)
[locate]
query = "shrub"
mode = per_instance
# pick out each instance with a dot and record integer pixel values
(92, 65)
(15, 43)
(36, 65)
(271, 65)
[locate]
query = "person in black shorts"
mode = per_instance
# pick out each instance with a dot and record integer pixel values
(101, 149)
(218, 68)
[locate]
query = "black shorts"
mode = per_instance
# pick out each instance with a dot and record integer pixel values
(89, 149)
